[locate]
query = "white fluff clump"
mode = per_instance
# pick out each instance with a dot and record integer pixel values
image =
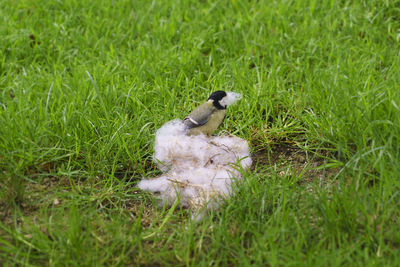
(198, 170)
(230, 98)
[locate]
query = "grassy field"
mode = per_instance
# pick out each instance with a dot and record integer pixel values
(84, 85)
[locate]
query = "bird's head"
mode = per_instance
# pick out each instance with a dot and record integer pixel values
(216, 99)
(221, 99)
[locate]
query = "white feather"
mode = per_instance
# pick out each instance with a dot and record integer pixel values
(230, 98)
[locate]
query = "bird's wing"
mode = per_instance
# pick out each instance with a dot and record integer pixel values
(200, 115)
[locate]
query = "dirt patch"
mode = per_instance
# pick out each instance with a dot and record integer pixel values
(146, 211)
(291, 160)
(35, 195)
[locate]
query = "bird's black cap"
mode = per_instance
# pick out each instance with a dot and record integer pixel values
(216, 97)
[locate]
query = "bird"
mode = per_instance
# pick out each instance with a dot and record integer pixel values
(207, 117)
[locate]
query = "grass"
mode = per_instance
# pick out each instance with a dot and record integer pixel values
(85, 85)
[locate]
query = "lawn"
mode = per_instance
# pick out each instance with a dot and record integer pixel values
(84, 85)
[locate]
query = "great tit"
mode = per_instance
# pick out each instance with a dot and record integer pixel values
(207, 117)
